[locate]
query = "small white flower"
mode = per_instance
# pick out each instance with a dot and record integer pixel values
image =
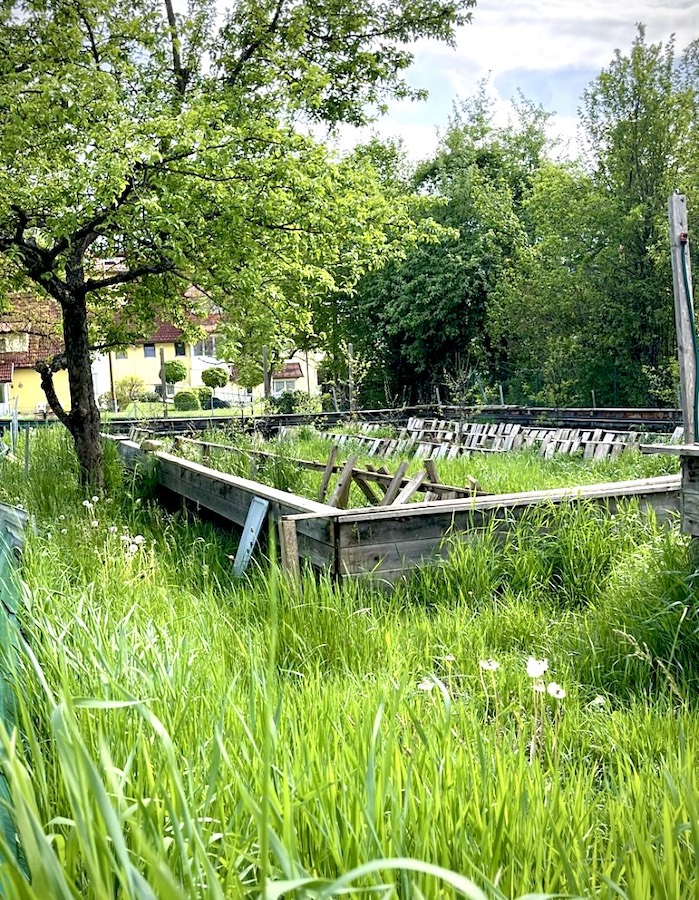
(132, 548)
(489, 665)
(539, 687)
(426, 685)
(536, 667)
(113, 529)
(598, 701)
(138, 539)
(125, 539)
(95, 499)
(556, 691)
(87, 504)
(94, 523)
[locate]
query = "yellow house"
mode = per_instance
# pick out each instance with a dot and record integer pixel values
(29, 331)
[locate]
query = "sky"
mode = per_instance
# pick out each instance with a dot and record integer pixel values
(549, 49)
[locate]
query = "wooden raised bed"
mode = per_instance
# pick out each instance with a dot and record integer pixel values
(384, 542)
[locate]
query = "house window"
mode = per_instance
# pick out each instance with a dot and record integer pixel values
(207, 347)
(279, 385)
(149, 350)
(121, 354)
(180, 349)
(14, 342)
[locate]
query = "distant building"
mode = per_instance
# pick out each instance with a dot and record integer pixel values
(31, 331)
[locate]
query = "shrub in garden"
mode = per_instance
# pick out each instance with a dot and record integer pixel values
(205, 394)
(128, 389)
(215, 378)
(187, 400)
(149, 397)
(175, 371)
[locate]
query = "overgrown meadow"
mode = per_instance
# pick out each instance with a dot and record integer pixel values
(519, 720)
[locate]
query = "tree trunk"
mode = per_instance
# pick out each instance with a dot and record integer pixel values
(83, 420)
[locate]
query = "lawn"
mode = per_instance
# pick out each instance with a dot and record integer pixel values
(184, 734)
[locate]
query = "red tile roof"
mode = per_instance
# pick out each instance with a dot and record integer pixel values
(40, 319)
(167, 334)
(289, 370)
(6, 372)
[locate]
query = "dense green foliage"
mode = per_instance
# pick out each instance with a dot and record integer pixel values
(143, 150)
(175, 371)
(215, 377)
(555, 279)
(216, 737)
(187, 400)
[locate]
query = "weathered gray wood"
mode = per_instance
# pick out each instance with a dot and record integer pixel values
(366, 489)
(686, 335)
(288, 544)
(431, 470)
(395, 486)
(340, 495)
(327, 474)
(407, 492)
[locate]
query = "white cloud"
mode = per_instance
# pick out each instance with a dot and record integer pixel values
(562, 43)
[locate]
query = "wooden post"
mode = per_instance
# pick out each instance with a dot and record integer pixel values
(266, 387)
(111, 382)
(350, 376)
(684, 310)
(163, 382)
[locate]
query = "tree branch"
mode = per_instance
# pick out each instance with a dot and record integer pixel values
(129, 276)
(46, 371)
(181, 73)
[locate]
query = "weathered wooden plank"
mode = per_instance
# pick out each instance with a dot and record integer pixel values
(395, 486)
(366, 488)
(407, 492)
(339, 496)
(327, 474)
(288, 544)
(432, 473)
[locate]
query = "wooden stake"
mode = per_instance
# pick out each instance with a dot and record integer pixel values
(327, 474)
(341, 493)
(395, 486)
(410, 488)
(289, 546)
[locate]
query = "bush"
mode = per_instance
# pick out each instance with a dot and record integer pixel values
(293, 402)
(128, 389)
(187, 400)
(205, 394)
(216, 377)
(149, 397)
(175, 371)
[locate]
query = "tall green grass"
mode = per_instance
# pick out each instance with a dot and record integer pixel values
(184, 734)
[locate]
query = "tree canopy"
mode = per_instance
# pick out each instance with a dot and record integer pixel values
(172, 145)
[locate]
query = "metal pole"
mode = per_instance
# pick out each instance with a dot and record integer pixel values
(350, 376)
(684, 311)
(265, 373)
(163, 382)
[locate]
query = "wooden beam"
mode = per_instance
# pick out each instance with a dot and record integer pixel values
(340, 495)
(327, 474)
(288, 544)
(366, 489)
(410, 488)
(395, 486)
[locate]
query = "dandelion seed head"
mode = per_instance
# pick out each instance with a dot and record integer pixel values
(489, 665)
(61, 518)
(64, 531)
(87, 504)
(536, 667)
(94, 523)
(539, 687)
(113, 529)
(426, 685)
(138, 539)
(556, 691)
(598, 701)
(95, 499)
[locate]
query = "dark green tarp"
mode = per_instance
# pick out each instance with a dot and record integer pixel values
(13, 522)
